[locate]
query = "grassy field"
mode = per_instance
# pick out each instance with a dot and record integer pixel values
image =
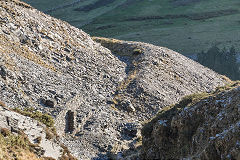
(187, 26)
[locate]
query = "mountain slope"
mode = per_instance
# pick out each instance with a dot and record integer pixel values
(22, 137)
(201, 126)
(187, 26)
(97, 96)
(157, 76)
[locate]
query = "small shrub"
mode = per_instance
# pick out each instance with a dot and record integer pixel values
(137, 51)
(2, 104)
(66, 154)
(5, 132)
(18, 141)
(49, 134)
(227, 87)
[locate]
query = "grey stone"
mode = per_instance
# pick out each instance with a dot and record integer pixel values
(3, 72)
(17, 123)
(150, 80)
(127, 105)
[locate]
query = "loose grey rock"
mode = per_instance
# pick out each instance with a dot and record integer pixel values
(3, 72)
(33, 129)
(63, 64)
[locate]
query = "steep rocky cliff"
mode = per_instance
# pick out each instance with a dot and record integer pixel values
(201, 126)
(22, 137)
(98, 96)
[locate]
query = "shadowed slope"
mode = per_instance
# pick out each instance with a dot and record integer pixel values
(201, 126)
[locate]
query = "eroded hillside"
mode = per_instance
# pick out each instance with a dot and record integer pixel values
(28, 134)
(201, 126)
(98, 96)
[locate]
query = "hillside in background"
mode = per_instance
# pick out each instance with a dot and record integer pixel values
(186, 26)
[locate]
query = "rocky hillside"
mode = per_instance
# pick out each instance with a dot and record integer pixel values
(23, 137)
(156, 76)
(98, 96)
(201, 126)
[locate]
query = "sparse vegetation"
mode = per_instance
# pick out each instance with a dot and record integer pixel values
(15, 146)
(191, 99)
(123, 49)
(227, 87)
(5, 132)
(22, 51)
(19, 146)
(66, 154)
(123, 85)
(137, 51)
(168, 112)
(51, 133)
(119, 47)
(41, 117)
(2, 104)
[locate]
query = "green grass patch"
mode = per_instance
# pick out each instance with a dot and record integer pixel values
(11, 140)
(16, 146)
(44, 118)
(227, 87)
(41, 117)
(185, 27)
